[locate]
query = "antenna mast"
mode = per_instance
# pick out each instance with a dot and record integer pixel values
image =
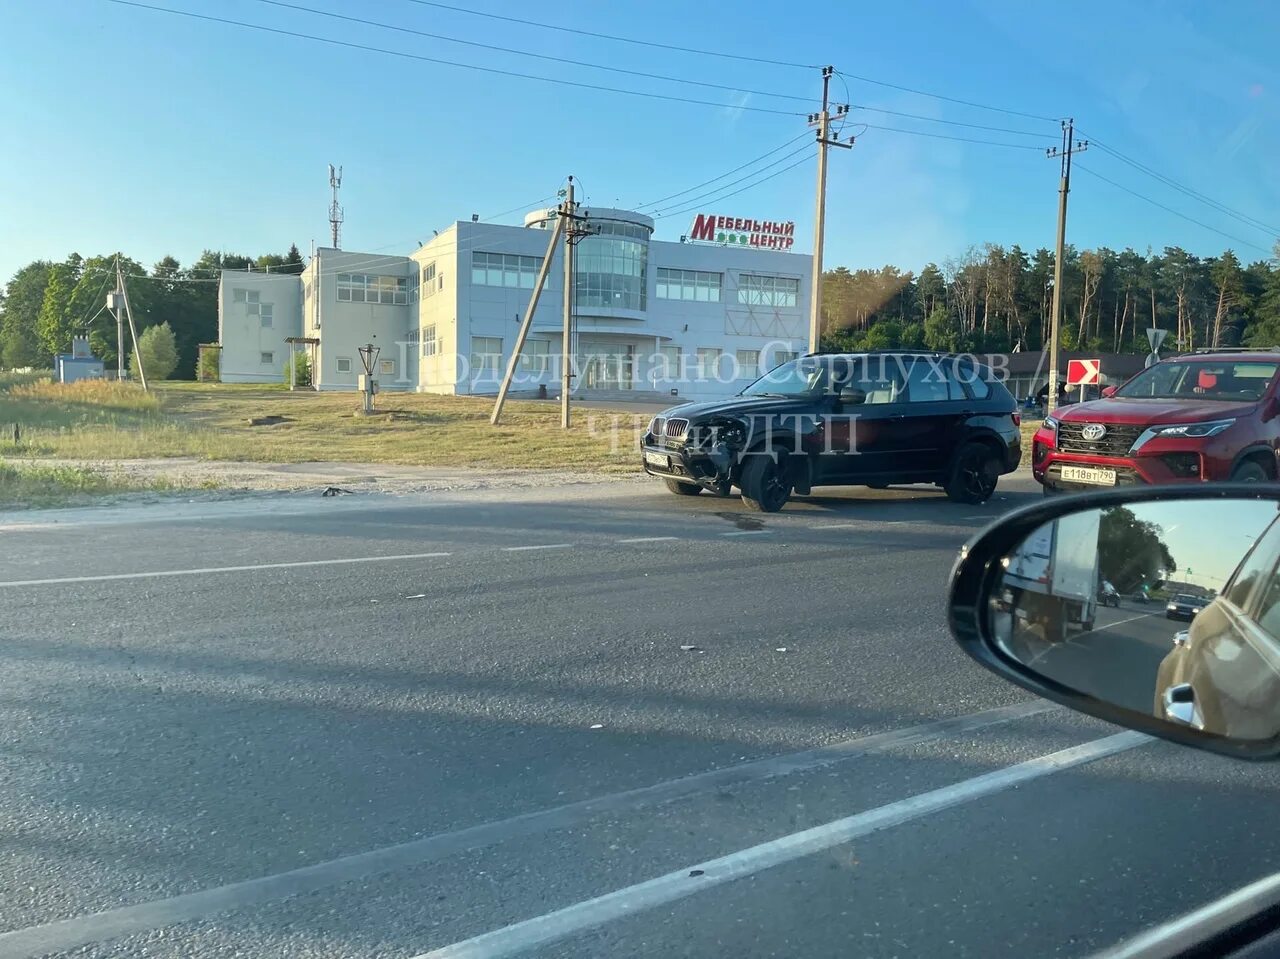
(335, 211)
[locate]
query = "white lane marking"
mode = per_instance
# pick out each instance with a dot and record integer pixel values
(748, 532)
(649, 539)
(525, 549)
(835, 526)
(1121, 622)
(219, 569)
(66, 934)
(551, 927)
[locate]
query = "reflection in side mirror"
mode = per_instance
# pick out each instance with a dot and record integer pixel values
(1158, 610)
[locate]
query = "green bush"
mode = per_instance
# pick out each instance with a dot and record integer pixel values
(159, 349)
(209, 370)
(301, 367)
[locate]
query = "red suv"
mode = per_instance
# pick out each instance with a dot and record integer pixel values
(1200, 416)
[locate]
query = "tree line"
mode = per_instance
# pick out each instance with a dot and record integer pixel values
(45, 304)
(994, 299)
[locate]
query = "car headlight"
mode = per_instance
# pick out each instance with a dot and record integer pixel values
(1211, 428)
(1171, 607)
(1051, 423)
(653, 426)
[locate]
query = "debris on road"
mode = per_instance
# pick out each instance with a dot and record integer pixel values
(597, 725)
(690, 649)
(334, 491)
(781, 649)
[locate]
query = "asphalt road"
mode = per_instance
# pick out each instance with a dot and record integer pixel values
(584, 721)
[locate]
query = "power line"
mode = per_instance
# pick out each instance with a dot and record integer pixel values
(1169, 209)
(608, 36)
(699, 186)
(954, 123)
(528, 53)
(939, 96)
(449, 63)
(945, 136)
(698, 199)
(1188, 191)
(735, 192)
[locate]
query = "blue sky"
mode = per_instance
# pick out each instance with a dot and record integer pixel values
(157, 134)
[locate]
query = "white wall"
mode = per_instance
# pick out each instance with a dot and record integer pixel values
(346, 326)
(243, 337)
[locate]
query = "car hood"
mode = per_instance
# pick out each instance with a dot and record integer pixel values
(1142, 412)
(740, 406)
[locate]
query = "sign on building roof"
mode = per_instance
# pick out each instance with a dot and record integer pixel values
(743, 231)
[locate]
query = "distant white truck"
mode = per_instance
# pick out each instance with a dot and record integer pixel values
(1052, 579)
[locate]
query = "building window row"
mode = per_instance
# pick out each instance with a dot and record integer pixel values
(429, 343)
(689, 285)
(367, 288)
(759, 290)
(429, 280)
(504, 269)
(486, 353)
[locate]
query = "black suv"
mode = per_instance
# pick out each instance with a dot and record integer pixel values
(859, 419)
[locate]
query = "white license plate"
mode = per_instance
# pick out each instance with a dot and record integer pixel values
(657, 459)
(1088, 474)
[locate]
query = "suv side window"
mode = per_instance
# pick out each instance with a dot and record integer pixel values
(975, 378)
(882, 382)
(930, 382)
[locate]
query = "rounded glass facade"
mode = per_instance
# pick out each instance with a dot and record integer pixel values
(611, 269)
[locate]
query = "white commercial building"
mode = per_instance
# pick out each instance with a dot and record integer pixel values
(700, 319)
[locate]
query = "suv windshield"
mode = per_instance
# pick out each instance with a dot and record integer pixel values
(1201, 379)
(806, 376)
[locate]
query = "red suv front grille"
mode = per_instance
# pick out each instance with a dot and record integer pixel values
(1116, 441)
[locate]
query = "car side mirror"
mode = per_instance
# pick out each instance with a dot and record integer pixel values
(1108, 391)
(852, 396)
(1025, 603)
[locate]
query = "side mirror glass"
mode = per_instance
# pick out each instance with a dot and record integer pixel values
(1155, 609)
(852, 396)
(1108, 391)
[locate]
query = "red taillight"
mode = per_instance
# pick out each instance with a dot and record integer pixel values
(1017, 418)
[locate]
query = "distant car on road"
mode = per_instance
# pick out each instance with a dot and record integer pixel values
(1185, 606)
(862, 419)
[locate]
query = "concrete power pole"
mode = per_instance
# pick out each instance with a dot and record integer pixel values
(115, 301)
(823, 122)
(567, 211)
(133, 329)
(1069, 146)
(335, 211)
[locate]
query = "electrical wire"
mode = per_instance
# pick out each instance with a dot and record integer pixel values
(699, 199)
(699, 186)
(726, 196)
(946, 136)
(702, 52)
(1188, 191)
(954, 123)
(938, 96)
(528, 53)
(1168, 209)
(449, 63)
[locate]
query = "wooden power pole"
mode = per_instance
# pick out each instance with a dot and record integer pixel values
(1070, 145)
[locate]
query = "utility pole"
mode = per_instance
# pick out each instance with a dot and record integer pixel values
(566, 372)
(335, 211)
(823, 122)
(115, 302)
(123, 289)
(543, 272)
(1070, 145)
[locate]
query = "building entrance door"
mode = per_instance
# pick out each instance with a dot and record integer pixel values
(608, 366)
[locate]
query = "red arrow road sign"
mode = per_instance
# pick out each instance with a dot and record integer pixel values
(1084, 372)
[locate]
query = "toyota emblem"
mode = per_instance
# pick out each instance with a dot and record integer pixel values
(1093, 432)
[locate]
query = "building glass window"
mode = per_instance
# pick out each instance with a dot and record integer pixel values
(486, 354)
(502, 269)
(756, 289)
(387, 367)
(535, 356)
(784, 356)
(611, 269)
(667, 363)
(267, 359)
(265, 314)
(344, 364)
(748, 363)
(707, 362)
(367, 288)
(688, 285)
(429, 285)
(429, 340)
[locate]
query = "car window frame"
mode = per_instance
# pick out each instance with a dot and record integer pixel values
(948, 380)
(1249, 607)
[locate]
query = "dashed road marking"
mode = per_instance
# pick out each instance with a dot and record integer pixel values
(649, 539)
(525, 549)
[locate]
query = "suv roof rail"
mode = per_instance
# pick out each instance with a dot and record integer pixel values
(908, 351)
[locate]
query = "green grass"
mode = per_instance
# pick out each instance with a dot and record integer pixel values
(27, 485)
(91, 421)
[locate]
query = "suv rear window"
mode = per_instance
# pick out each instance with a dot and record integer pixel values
(1202, 380)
